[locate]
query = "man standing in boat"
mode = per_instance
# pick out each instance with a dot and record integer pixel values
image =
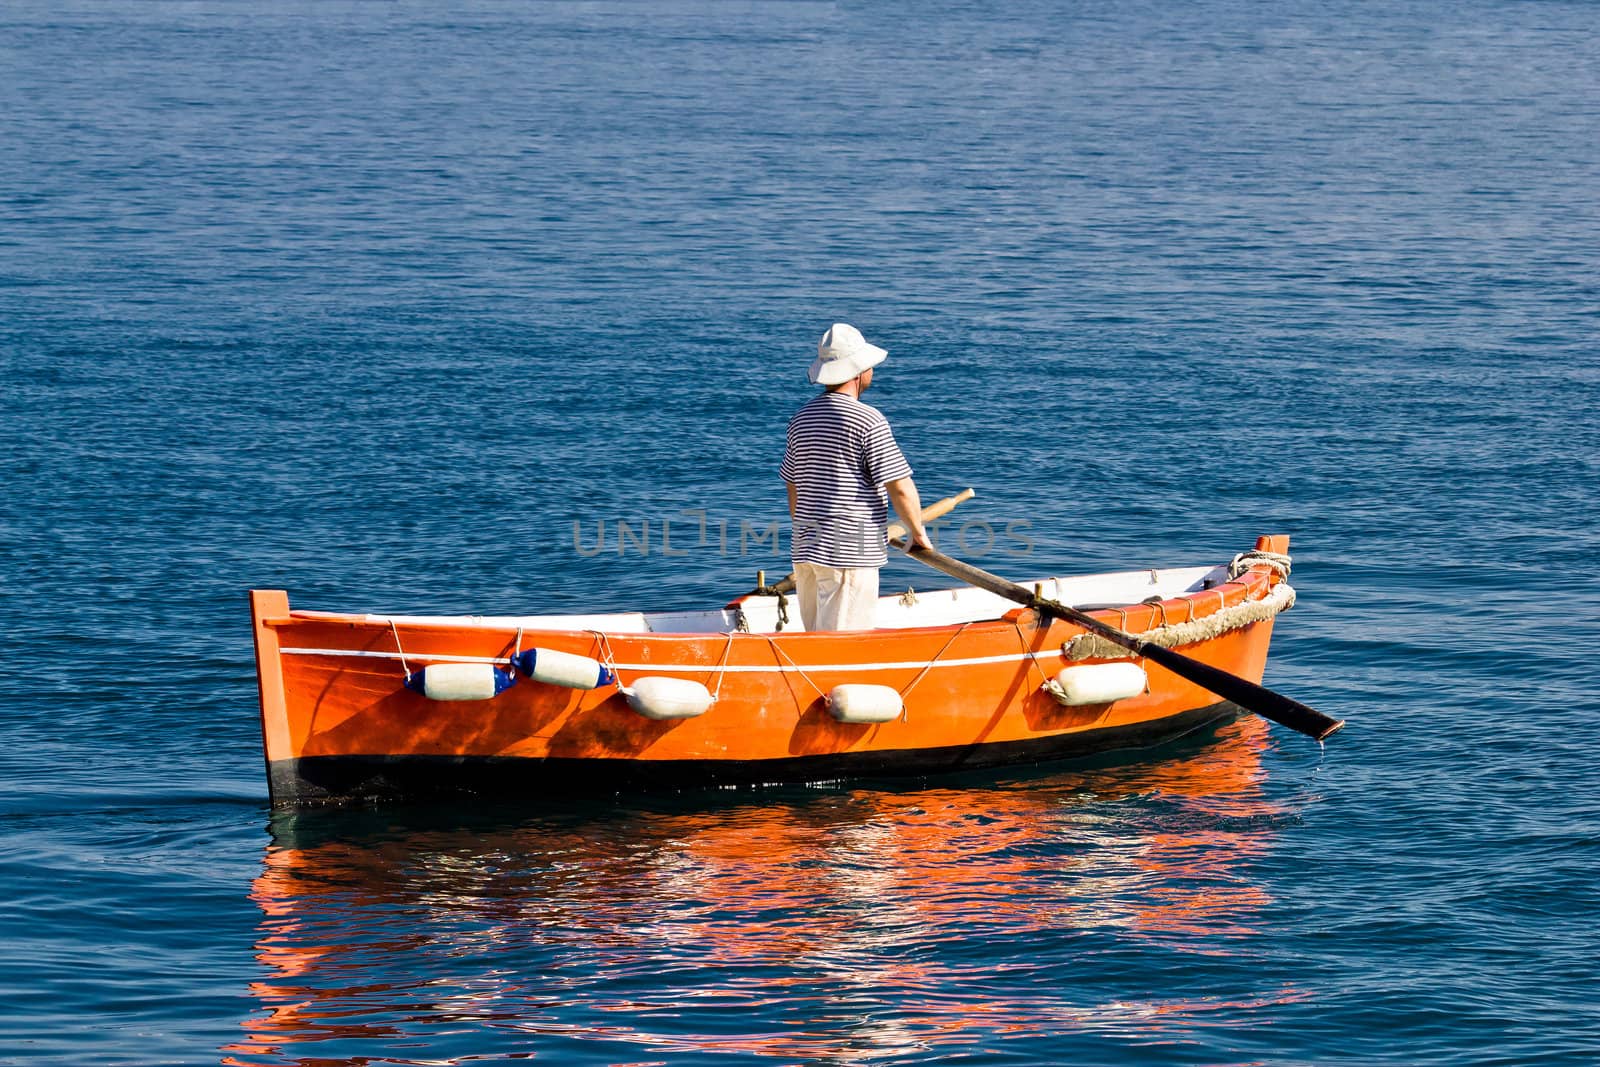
(842, 468)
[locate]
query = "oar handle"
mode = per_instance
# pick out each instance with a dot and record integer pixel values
(1247, 694)
(938, 509)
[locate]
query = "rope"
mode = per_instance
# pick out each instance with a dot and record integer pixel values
(1023, 641)
(774, 591)
(721, 664)
(826, 699)
(403, 665)
(1093, 646)
(1256, 557)
(608, 659)
(929, 666)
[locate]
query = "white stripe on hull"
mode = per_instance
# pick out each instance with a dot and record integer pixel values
(698, 668)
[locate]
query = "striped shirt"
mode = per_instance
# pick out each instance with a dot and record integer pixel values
(839, 457)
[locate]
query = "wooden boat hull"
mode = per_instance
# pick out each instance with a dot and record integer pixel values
(320, 779)
(339, 725)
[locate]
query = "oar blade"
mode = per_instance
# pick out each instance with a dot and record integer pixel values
(1285, 711)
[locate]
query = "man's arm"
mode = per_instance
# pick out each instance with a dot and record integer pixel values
(908, 505)
(792, 499)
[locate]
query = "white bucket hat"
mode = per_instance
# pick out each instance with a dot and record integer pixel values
(842, 354)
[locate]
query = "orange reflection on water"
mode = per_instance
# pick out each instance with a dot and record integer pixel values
(839, 925)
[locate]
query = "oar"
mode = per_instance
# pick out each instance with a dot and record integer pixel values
(1248, 695)
(936, 510)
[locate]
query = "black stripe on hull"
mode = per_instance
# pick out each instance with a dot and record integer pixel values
(315, 781)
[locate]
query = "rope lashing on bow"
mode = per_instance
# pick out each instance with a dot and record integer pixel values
(1257, 557)
(1177, 635)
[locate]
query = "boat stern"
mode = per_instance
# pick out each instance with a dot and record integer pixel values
(269, 607)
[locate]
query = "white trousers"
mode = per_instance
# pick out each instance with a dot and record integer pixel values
(836, 598)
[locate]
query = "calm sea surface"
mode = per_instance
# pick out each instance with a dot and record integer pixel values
(374, 302)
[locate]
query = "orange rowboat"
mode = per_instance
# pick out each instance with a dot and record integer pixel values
(364, 706)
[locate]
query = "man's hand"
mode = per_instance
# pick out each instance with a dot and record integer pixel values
(908, 505)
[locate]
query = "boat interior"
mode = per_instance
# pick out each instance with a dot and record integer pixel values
(903, 610)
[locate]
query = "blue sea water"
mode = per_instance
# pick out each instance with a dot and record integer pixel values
(398, 306)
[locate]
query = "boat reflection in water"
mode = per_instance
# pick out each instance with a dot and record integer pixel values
(837, 925)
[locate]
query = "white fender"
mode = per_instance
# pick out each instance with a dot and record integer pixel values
(668, 698)
(459, 681)
(1098, 683)
(562, 668)
(860, 702)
